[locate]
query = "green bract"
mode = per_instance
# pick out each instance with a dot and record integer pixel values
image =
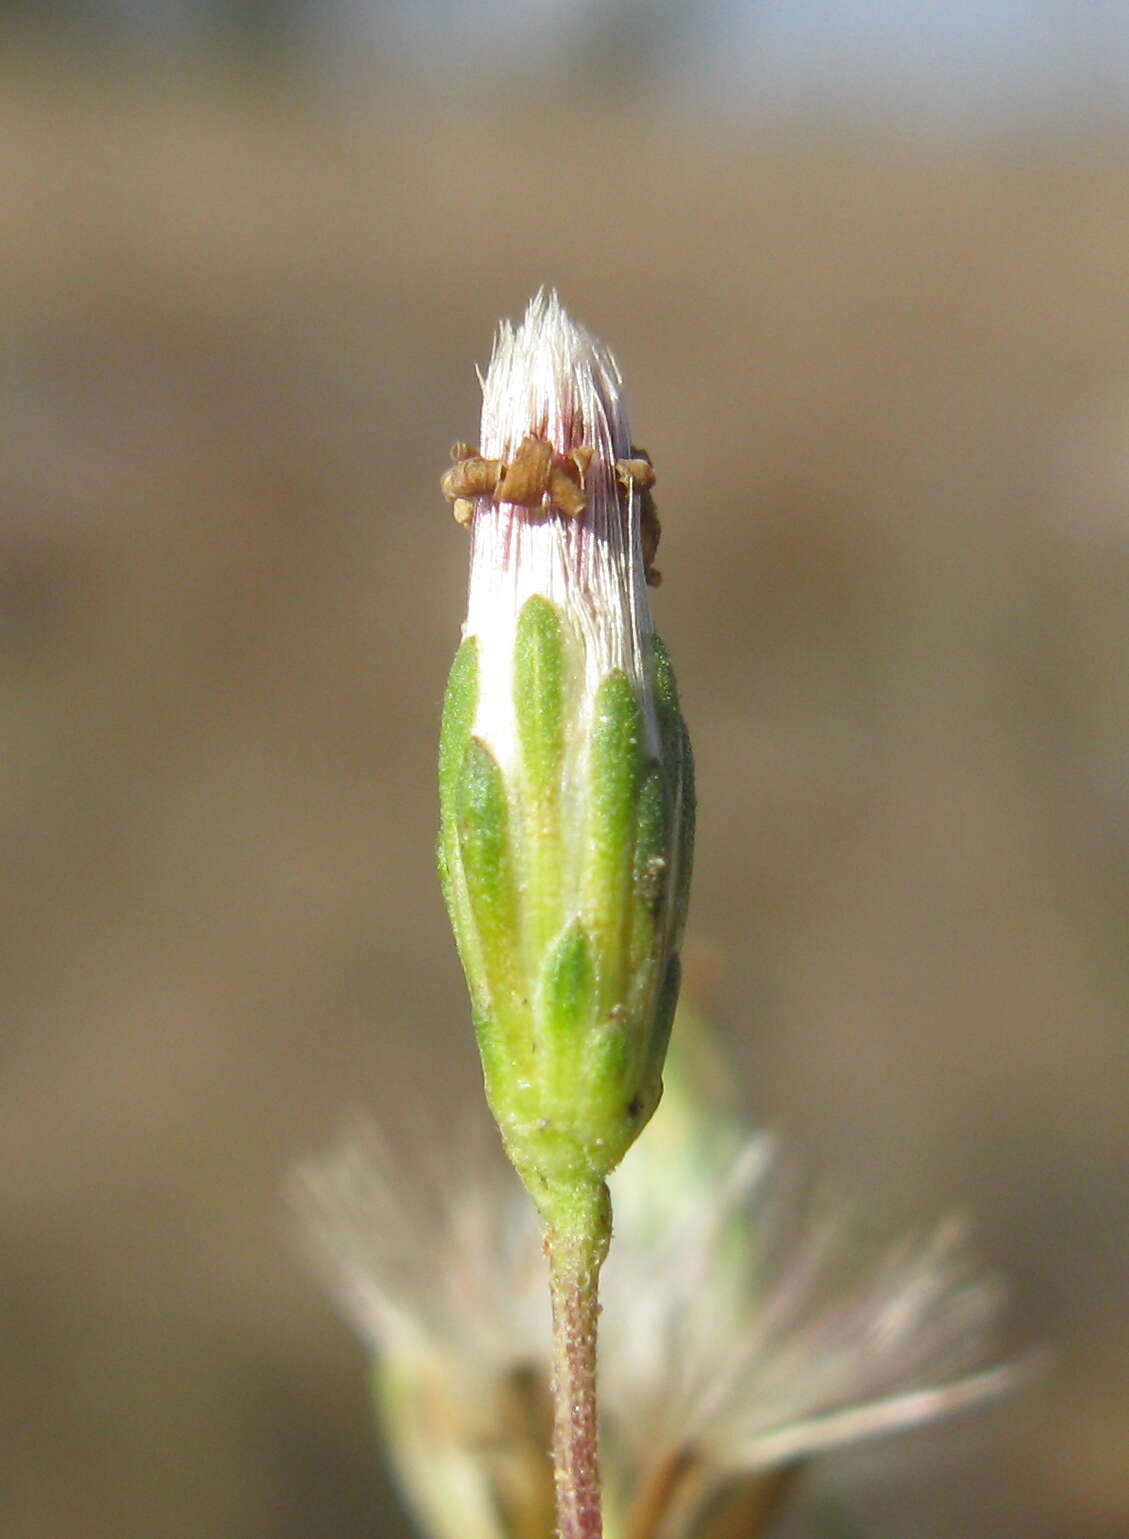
(566, 878)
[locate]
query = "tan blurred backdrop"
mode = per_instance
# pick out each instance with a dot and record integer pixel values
(885, 380)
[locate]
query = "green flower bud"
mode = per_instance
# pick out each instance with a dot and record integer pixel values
(566, 781)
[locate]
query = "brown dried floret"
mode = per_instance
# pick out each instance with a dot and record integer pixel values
(537, 476)
(637, 475)
(534, 476)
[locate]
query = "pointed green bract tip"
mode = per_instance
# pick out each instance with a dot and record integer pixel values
(568, 989)
(539, 693)
(459, 706)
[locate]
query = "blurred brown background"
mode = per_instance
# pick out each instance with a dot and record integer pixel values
(885, 379)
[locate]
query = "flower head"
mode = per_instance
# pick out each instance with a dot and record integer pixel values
(565, 773)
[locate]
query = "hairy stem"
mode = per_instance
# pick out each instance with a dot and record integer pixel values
(578, 1228)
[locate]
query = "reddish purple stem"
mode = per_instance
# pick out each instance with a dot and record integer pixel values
(574, 1287)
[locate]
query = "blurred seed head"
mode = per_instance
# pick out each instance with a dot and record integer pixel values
(748, 1325)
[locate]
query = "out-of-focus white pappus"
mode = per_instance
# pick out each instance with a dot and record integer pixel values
(746, 1322)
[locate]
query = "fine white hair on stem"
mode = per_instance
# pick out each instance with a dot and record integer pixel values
(550, 378)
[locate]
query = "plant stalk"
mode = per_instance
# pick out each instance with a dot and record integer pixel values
(578, 1229)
